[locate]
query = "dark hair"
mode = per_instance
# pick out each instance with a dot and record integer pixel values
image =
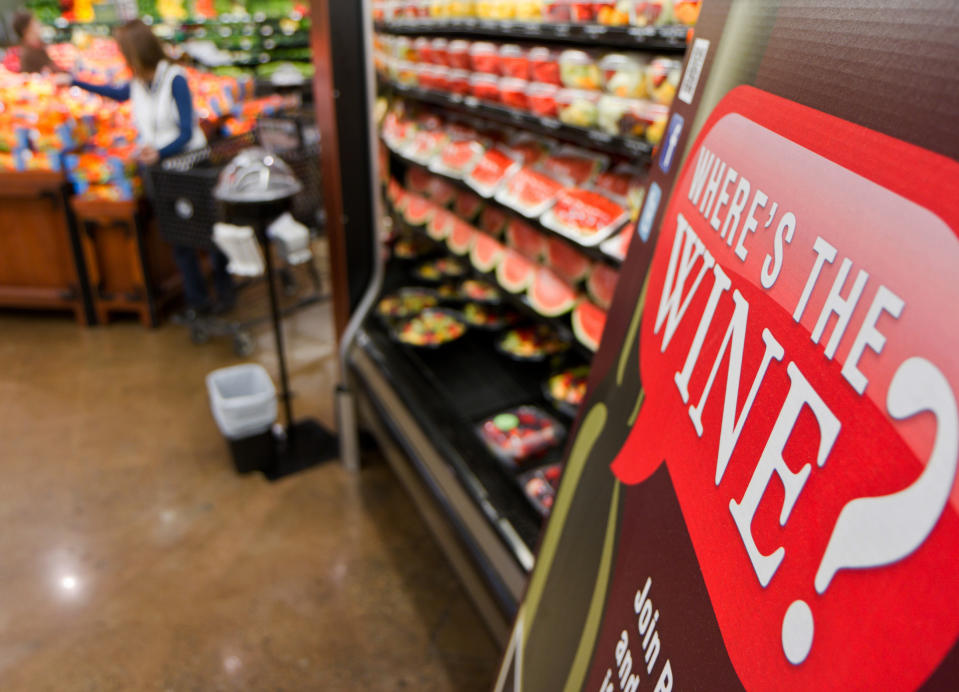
(140, 48)
(20, 21)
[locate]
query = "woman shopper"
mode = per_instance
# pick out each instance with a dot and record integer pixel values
(167, 124)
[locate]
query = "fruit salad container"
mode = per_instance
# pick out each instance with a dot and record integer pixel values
(458, 82)
(520, 434)
(613, 13)
(513, 61)
(651, 12)
(489, 317)
(484, 57)
(578, 107)
(513, 93)
(578, 70)
(566, 389)
(584, 216)
(541, 99)
(540, 486)
(492, 170)
(406, 302)
(403, 48)
(663, 79)
(480, 292)
(485, 87)
(632, 118)
(528, 10)
(460, 9)
(458, 54)
(687, 11)
(439, 50)
(432, 328)
(656, 115)
(544, 65)
(407, 73)
(623, 75)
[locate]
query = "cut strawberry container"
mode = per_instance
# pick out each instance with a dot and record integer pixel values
(544, 65)
(513, 61)
(484, 57)
(485, 87)
(541, 99)
(458, 54)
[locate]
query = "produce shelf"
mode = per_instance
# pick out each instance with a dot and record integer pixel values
(663, 39)
(638, 150)
(594, 253)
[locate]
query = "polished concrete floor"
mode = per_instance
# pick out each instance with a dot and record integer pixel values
(133, 558)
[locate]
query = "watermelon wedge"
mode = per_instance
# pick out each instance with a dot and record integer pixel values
(492, 169)
(418, 210)
(526, 240)
(486, 253)
(440, 226)
(467, 206)
(602, 285)
(588, 323)
(550, 295)
(418, 180)
(515, 273)
(585, 216)
(568, 262)
(492, 220)
(460, 239)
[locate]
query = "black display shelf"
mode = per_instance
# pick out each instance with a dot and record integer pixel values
(637, 150)
(594, 252)
(663, 39)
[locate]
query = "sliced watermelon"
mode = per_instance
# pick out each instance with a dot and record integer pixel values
(493, 220)
(467, 206)
(550, 295)
(588, 323)
(529, 192)
(602, 285)
(526, 240)
(399, 204)
(487, 252)
(515, 273)
(418, 180)
(393, 190)
(460, 239)
(568, 262)
(442, 192)
(440, 226)
(418, 210)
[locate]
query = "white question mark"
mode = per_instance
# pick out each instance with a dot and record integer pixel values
(876, 531)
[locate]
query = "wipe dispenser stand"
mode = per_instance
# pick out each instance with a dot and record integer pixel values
(255, 188)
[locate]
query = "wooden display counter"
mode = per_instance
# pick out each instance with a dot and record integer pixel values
(130, 268)
(41, 264)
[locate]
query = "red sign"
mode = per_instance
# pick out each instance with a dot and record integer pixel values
(798, 354)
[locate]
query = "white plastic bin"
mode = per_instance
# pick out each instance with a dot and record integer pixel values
(243, 400)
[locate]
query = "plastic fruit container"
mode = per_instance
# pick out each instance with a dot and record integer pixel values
(520, 433)
(485, 87)
(484, 57)
(578, 107)
(439, 49)
(528, 10)
(406, 302)
(403, 48)
(623, 75)
(513, 93)
(578, 70)
(431, 328)
(407, 73)
(557, 11)
(513, 61)
(458, 54)
(458, 9)
(540, 486)
(567, 389)
(651, 12)
(687, 11)
(630, 117)
(533, 343)
(541, 99)
(612, 13)
(663, 79)
(544, 65)
(423, 50)
(656, 115)
(584, 216)
(458, 82)
(441, 77)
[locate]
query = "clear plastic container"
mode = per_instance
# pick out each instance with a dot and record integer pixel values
(612, 13)
(687, 11)
(656, 114)
(407, 73)
(242, 399)
(423, 50)
(578, 107)
(578, 70)
(528, 10)
(441, 77)
(439, 9)
(439, 48)
(458, 54)
(518, 434)
(663, 79)
(651, 12)
(484, 57)
(460, 9)
(458, 82)
(485, 87)
(403, 48)
(512, 93)
(541, 99)
(623, 75)
(513, 61)
(544, 65)
(630, 117)
(570, 11)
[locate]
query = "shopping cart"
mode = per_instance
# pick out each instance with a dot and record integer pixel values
(186, 212)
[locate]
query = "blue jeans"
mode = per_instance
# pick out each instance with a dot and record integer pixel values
(194, 283)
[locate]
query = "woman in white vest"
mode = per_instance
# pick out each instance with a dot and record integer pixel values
(167, 124)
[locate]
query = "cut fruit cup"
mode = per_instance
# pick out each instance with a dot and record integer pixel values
(513, 61)
(458, 54)
(578, 70)
(578, 107)
(407, 73)
(513, 93)
(624, 75)
(485, 87)
(651, 12)
(518, 434)
(544, 65)
(459, 82)
(541, 99)
(422, 48)
(439, 49)
(662, 79)
(585, 217)
(484, 57)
